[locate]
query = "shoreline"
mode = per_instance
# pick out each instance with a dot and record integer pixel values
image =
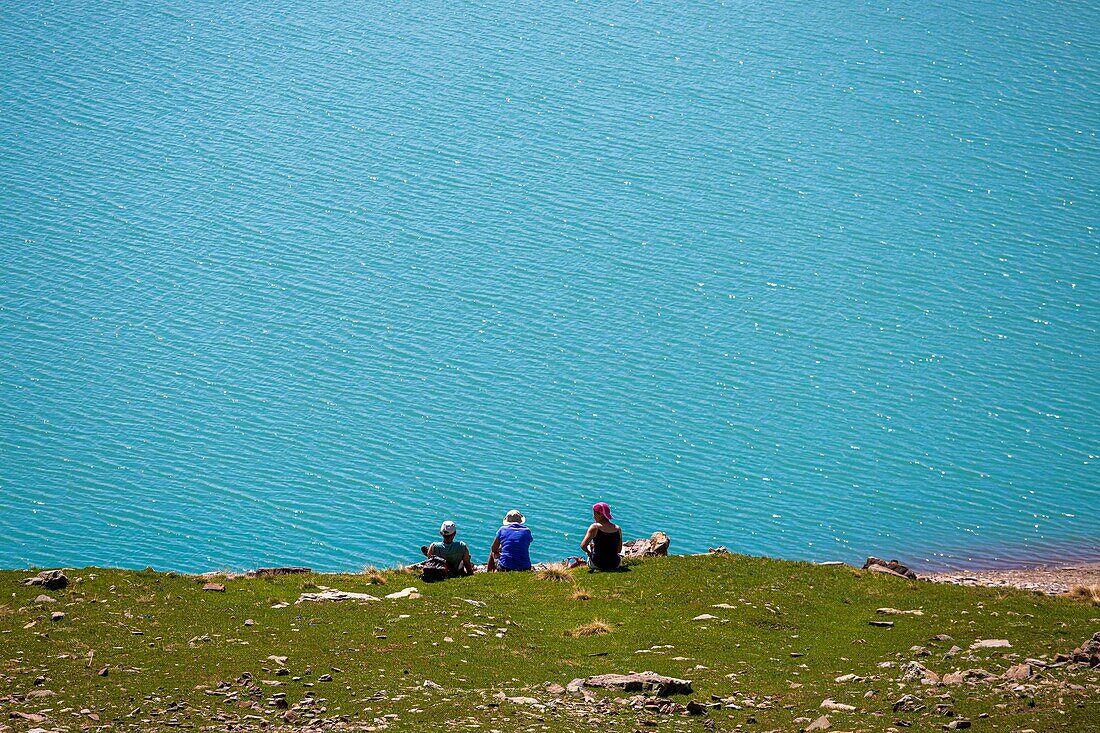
(1049, 578)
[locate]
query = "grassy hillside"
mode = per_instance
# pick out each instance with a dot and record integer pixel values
(147, 650)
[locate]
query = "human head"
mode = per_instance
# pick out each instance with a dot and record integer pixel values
(602, 510)
(448, 529)
(514, 517)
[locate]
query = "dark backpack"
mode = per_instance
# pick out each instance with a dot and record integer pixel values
(433, 569)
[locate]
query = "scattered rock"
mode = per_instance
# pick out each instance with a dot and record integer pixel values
(50, 579)
(656, 546)
(991, 644)
(405, 593)
(249, 622)
(57, 615)
(821, 723)
(720, 550)
(960, 724)
(29, 717)
(325, 678)
(45, 599)
(696, 708)
(831, 704)
(328, 594)
(640, 682)
(969, 675)
(1089, 652)
(35, 694)
(272, 572)
(952, 651)
(1017, 672)
(436, 686)
(914, 671)
(472, 602)
(105, 671)
(216, 587)
(704, 617)
(907, 703)
(848, 678)
(898, 612)
(893, 567)
(882, 624)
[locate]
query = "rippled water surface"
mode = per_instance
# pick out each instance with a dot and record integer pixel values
(293, 282)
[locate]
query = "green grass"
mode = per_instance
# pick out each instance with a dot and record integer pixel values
(167, 644)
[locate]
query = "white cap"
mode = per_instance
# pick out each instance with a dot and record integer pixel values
(513, 517)
(448, 528)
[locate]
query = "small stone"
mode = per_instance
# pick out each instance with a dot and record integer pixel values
(325, 678)
(43, 598)
(882, 624)
(960, 724)
(405, 593)
(831, 704)
(249, 622)
(821, 723)
(1017, 672)
(216, 587)
(695, 708)
(704, 617)
(848, 678)
(105, 671)
(991, 644)
(57, 615)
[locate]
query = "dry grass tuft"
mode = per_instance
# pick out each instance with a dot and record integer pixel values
(558, 571)
(1086, 593)
(373, 575)
(593, 628)
(580, 594)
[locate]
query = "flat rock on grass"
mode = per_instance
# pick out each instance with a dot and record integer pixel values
(330, 594)
(639, 682)
(991, 644)
(831, 704)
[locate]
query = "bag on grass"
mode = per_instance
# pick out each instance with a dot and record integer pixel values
(433, 569)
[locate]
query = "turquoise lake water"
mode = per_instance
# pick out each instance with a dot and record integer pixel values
(290, 283)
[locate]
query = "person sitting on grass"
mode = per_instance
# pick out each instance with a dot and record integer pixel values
(454, 552)
(511, 546)
(603, 541)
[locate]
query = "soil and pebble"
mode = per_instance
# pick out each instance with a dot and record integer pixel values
(710, 643)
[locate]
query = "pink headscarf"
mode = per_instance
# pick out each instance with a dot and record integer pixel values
(603, 510)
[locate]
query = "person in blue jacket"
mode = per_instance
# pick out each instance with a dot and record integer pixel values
(511, 547)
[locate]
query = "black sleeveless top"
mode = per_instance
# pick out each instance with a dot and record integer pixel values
(605, 549)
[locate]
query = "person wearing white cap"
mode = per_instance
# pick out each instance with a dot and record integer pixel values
(454, 552)
(511, 546)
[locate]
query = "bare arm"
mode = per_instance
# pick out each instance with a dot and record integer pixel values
(494, 553)
(467, 563)
(588, 537)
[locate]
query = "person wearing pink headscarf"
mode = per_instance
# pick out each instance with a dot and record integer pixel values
(603, 542)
